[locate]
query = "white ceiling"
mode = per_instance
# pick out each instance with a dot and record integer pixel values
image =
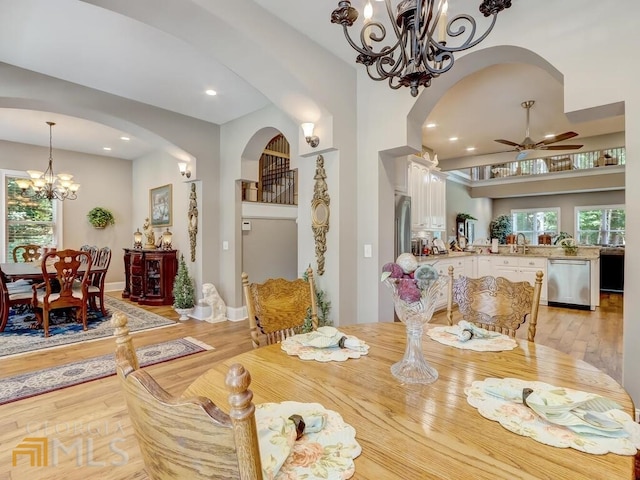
(91, 46)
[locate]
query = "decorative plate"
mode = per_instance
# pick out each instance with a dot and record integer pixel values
(293, 346)
(448, 335)
(321, 455)
(500, 399)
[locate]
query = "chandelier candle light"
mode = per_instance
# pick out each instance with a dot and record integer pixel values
(47, 185)
(425, 39)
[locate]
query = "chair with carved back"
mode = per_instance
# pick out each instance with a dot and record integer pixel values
(495, 303)
(92, 250)
(27, 253)
(97, 277)
(12, 294)
(188, 438)
(277, 308)
(71, 269)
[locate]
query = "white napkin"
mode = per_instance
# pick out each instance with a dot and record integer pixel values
(579, 411)
(327, 337)
(468, 331)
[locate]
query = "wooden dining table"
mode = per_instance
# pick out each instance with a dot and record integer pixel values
(410, 431)
(29, 270)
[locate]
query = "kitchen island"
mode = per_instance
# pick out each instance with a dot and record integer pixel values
(517, 266)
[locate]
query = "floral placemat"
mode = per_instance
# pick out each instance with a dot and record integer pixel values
(500, 399)
(331, 346)
(325, 451)
(450, 335)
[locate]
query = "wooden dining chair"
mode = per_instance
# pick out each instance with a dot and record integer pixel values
(277, 308)
(97, 277)
(72, 275)
(188, 438)
(27, 253)
(12, 295)
(496, 303)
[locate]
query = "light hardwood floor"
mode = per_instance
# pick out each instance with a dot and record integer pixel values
(94, 415)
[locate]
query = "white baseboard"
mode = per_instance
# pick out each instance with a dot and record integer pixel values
(113, 286)
(236, 314)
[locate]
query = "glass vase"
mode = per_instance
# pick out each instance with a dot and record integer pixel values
(414, 368)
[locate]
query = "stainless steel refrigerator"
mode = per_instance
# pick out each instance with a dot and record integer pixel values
(402, 225)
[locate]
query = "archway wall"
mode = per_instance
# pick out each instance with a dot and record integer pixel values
(575, 42)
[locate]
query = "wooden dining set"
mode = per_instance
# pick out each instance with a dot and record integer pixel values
(402, 430)
(46, 280)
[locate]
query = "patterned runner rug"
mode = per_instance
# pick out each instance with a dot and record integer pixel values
(31, 384)
(19, 336)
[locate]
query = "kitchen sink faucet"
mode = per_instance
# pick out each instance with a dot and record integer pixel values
(524, 242)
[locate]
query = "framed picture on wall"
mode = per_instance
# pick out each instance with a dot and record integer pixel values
(161, 206)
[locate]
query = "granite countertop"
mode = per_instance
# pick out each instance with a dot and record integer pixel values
(546, 251)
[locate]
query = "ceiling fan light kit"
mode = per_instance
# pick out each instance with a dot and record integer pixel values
(528, 146)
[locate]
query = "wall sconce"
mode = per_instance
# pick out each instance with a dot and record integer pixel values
(311, 139)
(137, 238)
(183, 169)
(166, 240)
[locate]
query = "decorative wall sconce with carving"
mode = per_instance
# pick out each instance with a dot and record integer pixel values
(193, 221)
(320, 213)
(311, 139)
(184, 171)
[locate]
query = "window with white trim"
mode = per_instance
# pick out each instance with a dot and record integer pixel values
(27, 221)
(535, 221)
(600, 225)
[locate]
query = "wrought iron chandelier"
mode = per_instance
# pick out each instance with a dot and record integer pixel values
(47, 185)
(425, 40)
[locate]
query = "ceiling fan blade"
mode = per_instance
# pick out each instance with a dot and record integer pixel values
(560, 147)
(508, 142)
(558, 138)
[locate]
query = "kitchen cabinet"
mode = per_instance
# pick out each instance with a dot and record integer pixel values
(521, 269)
(427, 188)
(461, 266)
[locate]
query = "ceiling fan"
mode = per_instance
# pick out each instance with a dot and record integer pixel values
(528, 145)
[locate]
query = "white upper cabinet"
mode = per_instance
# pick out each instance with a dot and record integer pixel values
(427, 188)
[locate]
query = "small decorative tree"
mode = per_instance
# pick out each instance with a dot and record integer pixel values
(184, 293)
(324, 307)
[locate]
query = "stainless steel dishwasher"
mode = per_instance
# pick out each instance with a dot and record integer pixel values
(569, 282)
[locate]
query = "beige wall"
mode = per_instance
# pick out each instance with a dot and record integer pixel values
(270, 249)
(104, 182)
(459, 201)
(566, 203)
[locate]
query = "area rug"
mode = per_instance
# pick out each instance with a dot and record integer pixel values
(31, 384)
(18, 336)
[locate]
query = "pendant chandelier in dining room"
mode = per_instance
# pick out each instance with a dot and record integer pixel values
(425, 40)
(47, 185)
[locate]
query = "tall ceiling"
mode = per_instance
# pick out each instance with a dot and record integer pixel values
(86, 44)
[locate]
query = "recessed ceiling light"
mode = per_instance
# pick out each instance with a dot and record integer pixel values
(453, 139)
(430, 125)
(108, 149)
(211, 92)
(470, 149)
(126, 139)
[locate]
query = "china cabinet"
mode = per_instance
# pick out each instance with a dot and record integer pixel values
(149, 276)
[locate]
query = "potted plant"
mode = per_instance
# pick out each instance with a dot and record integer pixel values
(184, 293)
(500, 227)
(100, 217)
